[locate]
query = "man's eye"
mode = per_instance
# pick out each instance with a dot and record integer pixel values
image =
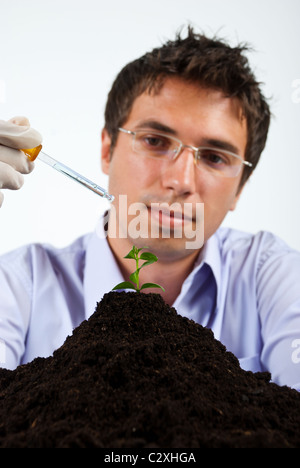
(156, 142)
(214, 158)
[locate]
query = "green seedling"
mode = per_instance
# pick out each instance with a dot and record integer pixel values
(134, 277)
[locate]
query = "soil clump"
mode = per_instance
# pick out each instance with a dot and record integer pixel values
(137, 374)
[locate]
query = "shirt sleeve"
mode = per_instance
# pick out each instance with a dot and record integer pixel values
(278, 296)
(15, 306)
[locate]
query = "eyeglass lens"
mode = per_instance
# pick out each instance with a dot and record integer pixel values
(161, 146)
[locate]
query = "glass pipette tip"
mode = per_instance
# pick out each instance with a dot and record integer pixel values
(33, 153)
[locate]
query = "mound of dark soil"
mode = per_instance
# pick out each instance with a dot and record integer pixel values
(137, 374)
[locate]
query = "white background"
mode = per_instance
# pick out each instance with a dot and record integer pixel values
(58, 59)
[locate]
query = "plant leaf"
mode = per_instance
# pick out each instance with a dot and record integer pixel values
(134, 277)
(148, 256)
(131, 254)
(151, 285)
(145, 264)
(138, 250)
(124, 285)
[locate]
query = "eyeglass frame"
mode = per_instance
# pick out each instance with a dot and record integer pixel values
(194, 149)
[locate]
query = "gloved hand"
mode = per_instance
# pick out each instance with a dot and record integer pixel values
(14, 135)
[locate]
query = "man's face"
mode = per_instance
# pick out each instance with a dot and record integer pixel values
(195, 116)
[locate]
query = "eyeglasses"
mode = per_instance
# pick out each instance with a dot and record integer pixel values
(161, 146)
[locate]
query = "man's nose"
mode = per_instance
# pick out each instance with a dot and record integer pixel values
(179, 175)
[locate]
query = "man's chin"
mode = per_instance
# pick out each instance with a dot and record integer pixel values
(165, 249)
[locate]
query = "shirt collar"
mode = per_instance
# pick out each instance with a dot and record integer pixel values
(211, 255)
(102, 272)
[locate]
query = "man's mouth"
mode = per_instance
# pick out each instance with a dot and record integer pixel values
(167, 217)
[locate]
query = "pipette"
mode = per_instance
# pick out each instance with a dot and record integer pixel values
(33, 153)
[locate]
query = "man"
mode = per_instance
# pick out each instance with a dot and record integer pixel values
(184, 127)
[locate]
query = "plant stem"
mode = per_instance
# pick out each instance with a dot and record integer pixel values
(137, 266)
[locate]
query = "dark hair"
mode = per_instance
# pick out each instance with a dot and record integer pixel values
(196, 58)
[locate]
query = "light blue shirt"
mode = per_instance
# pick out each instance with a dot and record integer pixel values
(243, 286)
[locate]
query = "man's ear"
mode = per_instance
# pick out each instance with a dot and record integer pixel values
(105, 151)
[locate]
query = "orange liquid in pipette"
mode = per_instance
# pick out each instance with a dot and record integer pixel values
(32, 153)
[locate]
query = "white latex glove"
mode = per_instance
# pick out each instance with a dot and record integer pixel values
(15, 134)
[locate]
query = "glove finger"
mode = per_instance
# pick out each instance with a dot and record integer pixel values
(16, 159)
(10, 178)
(20, 120)
(19, 136)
